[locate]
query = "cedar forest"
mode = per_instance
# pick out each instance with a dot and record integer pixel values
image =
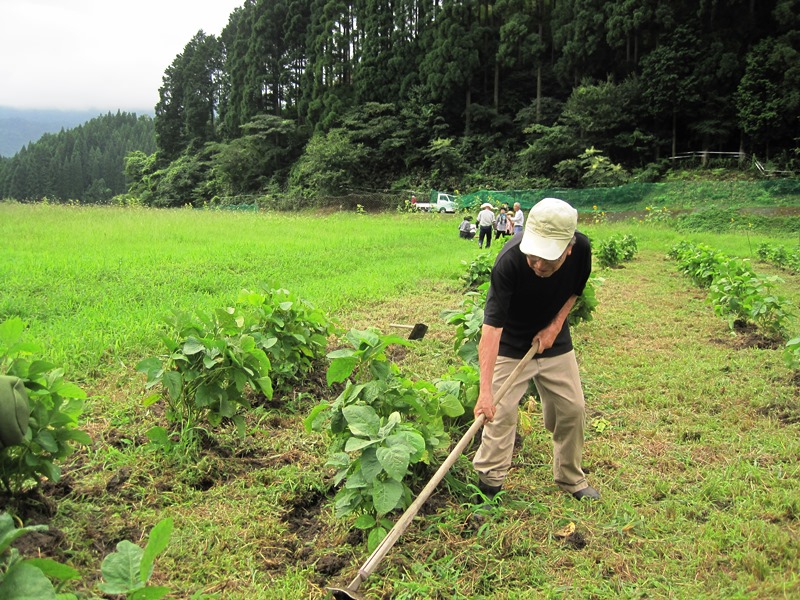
(313, 99)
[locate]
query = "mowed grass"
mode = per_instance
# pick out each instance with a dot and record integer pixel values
(692, 436)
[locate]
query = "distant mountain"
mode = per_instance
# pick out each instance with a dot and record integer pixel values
(18, 126)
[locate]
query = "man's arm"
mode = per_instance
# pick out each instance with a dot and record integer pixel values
(547, 336)
(488, 348)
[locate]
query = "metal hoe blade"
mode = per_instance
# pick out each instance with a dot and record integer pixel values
(418, 330)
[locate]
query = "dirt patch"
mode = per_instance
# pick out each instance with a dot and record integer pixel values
(38, 544)
(787, 413)
(32, 507)
(576, 540)
(747, 335)
(332, 564)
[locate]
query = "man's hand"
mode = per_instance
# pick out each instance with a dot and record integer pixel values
(546, 337)
(485, 406)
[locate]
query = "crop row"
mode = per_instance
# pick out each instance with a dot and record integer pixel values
(780, 256)
(737, 293)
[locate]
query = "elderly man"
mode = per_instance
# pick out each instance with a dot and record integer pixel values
(485, 222)
(518, 220)
(535, 281)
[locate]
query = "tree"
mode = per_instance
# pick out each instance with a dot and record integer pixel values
(768, 97)
(188, 98)
(669, 80)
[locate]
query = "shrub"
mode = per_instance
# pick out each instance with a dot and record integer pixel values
(269, 339)
(780, 256)
(289, 329)
(479, 271)
(735, 291)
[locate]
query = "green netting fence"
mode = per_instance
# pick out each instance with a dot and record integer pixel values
(689, 194)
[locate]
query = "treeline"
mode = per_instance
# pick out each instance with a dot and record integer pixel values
(322, 96)
(299, 99)
(85, 163)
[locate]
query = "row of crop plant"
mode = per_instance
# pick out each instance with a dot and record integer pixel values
(738, 294)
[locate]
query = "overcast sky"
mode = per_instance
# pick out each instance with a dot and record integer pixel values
(96, 54)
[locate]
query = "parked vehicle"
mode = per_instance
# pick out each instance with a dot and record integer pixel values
(440, 202)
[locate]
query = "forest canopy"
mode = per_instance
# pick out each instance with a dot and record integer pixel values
(313, 98)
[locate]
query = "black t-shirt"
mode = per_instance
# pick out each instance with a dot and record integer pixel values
(523, 304)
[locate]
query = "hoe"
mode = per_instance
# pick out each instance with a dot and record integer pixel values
(351, 591)
(418, 330)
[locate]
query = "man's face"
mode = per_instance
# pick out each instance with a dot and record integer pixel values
(545, 268)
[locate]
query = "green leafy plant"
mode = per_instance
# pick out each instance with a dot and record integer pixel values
(699, 262)
(478, 271)
(791, 353)
(615, 250)
(780, 256)
(586, 303)
(55, 407)
(383, 427)
(735, 290)
(657, 215)
(211, 359)
(468, 321)
(598, 215)
(751, 299)
(290, 330)
(127, 571)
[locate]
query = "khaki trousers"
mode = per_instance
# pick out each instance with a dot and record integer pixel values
(558, 383)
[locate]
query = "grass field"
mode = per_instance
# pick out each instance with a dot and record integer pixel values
(692, 431)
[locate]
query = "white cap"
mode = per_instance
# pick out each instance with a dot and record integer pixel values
(549, 229)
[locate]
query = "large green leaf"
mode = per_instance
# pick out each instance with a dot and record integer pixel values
(149, 593)
(394, 460)
(411, 440)
(26, 582)
(54, 569)
(173, 381)
(121, 569)
(341, 369)
(362, 420)
(370, 465)
(159, 538)
(354, 444)
(451, 406)
(193, 346)
(386, 495)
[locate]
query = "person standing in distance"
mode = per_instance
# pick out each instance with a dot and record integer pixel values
(535, 281)
(485, 221)
(518, 219)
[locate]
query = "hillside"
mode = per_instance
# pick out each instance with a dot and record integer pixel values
(19, 127)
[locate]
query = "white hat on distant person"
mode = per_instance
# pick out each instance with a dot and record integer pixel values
(487, 205)
(550, 226)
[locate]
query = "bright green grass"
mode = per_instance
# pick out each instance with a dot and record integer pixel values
(93, 283)
(698, 469)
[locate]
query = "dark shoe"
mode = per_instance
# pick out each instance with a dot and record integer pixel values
(490, 491)
(588, 492)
